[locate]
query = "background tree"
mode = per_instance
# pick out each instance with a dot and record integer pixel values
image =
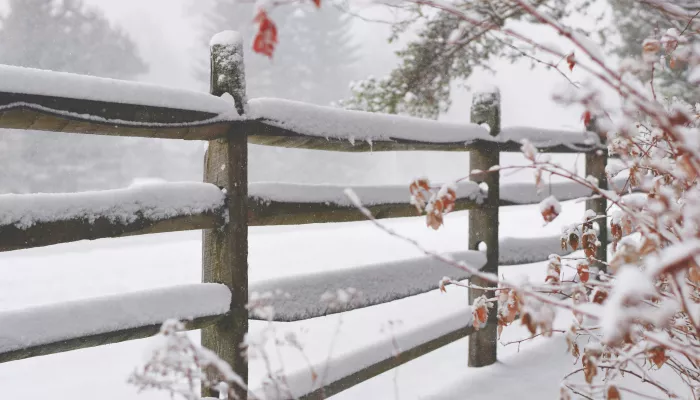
(636, 21)
(314, 62)
(447, 49)
(67, 36)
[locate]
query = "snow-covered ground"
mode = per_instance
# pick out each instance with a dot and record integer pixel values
(90, 269)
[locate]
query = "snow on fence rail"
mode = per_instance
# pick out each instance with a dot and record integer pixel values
(287, 123)
(33, 220)
(296, 296)
(36, 220)
(63, 102)
(111, 319)
(41, 100)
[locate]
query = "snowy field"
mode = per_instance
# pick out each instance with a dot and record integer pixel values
(89, 269)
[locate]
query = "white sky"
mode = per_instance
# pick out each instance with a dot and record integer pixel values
(166, 33)
(167, 36)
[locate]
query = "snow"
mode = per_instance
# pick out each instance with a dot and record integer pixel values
(61, 84)
(673, 255)
(331, 122)
(590, 47)
(226, 38)
(328, 122)
(405, 323)
(153, 201)
(52, 323)
(68, 272)
(550, 137)
(229, 116)
(526, 192)
(334, 194)
(376, 283)
(631, 287)
(550, 203)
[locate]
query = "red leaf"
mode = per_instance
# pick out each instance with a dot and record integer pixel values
(571, 60)
(586, 118)
(317, 2)
(266, 39)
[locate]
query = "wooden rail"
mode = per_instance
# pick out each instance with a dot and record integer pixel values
(100, 339)
(387, 364)
(55, 232)
(225, 243)
(261, 212)
(265, 133)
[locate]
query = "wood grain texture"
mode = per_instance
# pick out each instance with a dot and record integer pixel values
(483, 226)
(266, 133)
(386, 365)
(99, 339)
(225, 250)
(50, 233)
(60, 114)
(595, 166)
(264, 212)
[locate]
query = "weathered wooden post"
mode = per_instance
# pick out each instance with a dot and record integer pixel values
(483, 222)
(225, 250)
(596, 160)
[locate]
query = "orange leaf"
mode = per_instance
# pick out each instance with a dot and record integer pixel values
(317, 2)
(586, 118)
(571, 60)
(657, 355)
(574, 240)
(589, 368)
(613, 393)
(599, 296)
(266, 38)
(583, 272)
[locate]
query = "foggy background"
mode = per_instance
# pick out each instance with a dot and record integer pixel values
(170, 38)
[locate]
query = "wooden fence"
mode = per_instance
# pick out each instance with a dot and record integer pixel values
(225, 224)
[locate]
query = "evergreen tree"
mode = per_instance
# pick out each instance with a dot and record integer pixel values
(64, 35)
(636, 21)
(446, 49)
(314, 61)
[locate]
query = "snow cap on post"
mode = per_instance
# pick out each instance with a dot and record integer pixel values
(227, 67)
(486, 109)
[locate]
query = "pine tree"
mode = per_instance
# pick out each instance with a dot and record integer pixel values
(314, 62)
(446, 50)
(634, 22)
(64, 35)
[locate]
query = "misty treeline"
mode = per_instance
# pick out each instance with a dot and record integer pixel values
(315, 61)
(315, 64)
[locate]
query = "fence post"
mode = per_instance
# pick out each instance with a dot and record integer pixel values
(225, 250)
(483, 222)
(596, 161)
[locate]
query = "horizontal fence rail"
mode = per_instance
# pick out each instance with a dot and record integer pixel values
(75, 325)
(269, 204)
(381, 358)
(36, 220)
(61, 102)
(285, 123)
